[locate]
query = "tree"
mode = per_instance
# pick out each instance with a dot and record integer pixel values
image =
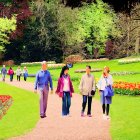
(99, 23)
(6, 27)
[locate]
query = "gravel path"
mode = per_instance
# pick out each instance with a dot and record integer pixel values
(56, 127)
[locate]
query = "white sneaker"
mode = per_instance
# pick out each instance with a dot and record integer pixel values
(104, 116)
(107, 117)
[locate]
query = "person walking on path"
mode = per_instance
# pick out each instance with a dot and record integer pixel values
(3, 72)
(87, 89)
(105, 81)
(43, 80)
(65, 90)
(25, 73)
(11, 73)
(18, 73)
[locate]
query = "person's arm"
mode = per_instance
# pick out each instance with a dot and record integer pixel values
(81, 84)
(36, 81)
(111, 80)
(71, 87)
(50, 81)
(94, 84)
(58, 86)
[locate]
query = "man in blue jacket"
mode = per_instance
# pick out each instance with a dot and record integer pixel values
(42, 83)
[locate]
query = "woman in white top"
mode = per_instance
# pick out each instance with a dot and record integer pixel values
(105, 80)
(18, 73)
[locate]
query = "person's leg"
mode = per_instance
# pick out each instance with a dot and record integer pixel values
(19, 78)
(84, 103)
(11, 78)
(45, 99)
(41, 103)
(68, 103)
(107, 109)
(64, 105)
(89, 105)
(103, 108)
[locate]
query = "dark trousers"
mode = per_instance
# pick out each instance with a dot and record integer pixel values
(66, 103)
(85, 98)
(25, 78)
(11, 77)
(105, 109)
(18, 78)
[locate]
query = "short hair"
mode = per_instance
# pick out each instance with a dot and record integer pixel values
(43, 62)
(88, 66)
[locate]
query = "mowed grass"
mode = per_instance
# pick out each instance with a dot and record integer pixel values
(22, 116)
(125, 118)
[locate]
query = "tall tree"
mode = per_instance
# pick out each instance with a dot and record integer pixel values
(6, 27)
(99, 23)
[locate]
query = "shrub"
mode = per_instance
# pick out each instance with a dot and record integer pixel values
(73, 59)
(9, 63)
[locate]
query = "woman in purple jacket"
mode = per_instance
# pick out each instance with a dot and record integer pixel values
(65, 90)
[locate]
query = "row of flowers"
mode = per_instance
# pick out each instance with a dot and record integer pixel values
(129, 60)
(5, 103)
(126, 88)
(36, 63)
(124, 73)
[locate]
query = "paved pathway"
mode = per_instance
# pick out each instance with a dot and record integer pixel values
(56, 127)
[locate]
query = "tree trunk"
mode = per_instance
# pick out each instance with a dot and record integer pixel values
(137, 45)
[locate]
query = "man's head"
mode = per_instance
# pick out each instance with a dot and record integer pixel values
(44, 65)
(88, 69)
(3, 66)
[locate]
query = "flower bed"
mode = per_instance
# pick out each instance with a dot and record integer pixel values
(126, 88)
(94, 60)
(124, 73)
(83, 70)
(129, 60)
(5, 103)
(36, 63)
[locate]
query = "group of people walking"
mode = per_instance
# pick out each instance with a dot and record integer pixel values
(65, 90)
(11, 73)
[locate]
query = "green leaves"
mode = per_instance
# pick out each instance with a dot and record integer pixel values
(98, 22)
(6, 27)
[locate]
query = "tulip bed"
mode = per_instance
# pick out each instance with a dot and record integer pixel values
(5, 103)
(125, 88)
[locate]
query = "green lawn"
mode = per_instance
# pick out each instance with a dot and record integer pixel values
(125, 118)
(22, 116)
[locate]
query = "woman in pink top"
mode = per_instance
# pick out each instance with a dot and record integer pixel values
(65, 90)
(11, 73)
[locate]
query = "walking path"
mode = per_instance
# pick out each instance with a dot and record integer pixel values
(56, 127)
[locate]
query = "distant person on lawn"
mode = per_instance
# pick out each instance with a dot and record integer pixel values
(11, 73)
(18, 73)
(65, 90)
(3, 72)
(87, 89)
(43, 80)
(25, 73)
(105, 80)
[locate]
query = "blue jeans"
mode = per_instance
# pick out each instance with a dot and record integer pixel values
(66, 103)
(11, 77)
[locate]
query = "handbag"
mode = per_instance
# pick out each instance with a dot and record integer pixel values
(93, 92)
(108, 92)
